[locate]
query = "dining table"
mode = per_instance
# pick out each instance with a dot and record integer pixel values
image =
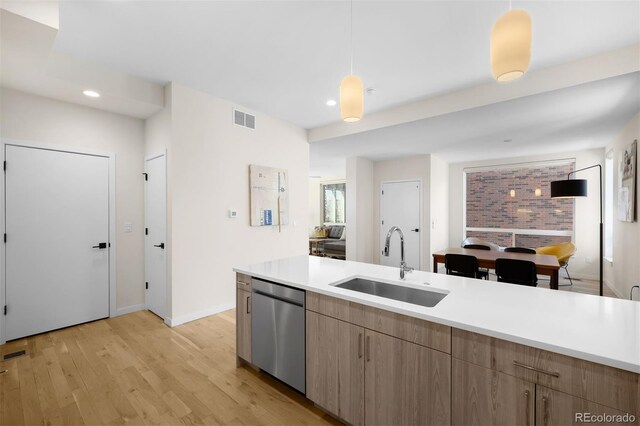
(545, 264)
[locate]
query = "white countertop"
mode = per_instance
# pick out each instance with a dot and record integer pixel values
(599, 329)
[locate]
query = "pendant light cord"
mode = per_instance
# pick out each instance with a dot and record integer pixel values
(351, 33)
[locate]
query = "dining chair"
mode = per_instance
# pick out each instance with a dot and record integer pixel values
(463, 265)
(519, 250)
(564, 252)
(514, 271)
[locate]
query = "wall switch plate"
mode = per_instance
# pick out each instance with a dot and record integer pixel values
(233, 213)
(128, 227)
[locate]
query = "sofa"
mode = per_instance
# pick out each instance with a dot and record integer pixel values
(335, 244)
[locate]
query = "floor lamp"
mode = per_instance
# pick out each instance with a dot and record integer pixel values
(573, 188)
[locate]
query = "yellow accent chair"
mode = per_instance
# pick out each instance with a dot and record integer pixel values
(563, 252)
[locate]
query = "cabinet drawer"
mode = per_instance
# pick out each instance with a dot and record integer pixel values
(414, 330)
(558, 408)
(605, 385)
(481, 396)
(243, 281)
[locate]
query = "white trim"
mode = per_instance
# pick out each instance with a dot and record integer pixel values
(614, 290)
(420, 202)
(524, 231)
(129, 309)
(173, 322)
(112, 218)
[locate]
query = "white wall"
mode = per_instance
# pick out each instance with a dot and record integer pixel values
(624, 272)
(439, 205)
(31, 118)
(416, 167)
(587, 219)
(360, 191)
(209, 160)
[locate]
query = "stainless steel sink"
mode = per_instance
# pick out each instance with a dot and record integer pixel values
(389, 291)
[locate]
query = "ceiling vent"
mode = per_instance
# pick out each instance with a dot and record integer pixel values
(243, 119)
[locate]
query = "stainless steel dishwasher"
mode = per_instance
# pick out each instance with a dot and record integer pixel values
(278, 332)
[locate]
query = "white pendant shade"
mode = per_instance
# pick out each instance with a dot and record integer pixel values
(351, 98)
(511, 45)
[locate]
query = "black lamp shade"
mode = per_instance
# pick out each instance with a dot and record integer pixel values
(569, 188)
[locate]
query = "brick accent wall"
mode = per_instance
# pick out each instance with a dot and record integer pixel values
(518, 198)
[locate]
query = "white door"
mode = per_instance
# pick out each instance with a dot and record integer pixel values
(57, 248)
(400, 206)
(155, 238)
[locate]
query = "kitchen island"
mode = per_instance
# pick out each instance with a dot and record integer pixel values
(487, 353)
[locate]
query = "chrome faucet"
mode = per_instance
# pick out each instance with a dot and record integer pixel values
(403, 265)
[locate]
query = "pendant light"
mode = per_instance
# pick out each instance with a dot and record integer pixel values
(351, 88)
(511, 45)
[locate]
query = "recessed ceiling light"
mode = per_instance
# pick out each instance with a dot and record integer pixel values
(371, 91)
(331, 102)
(91, 93)
(507, 140)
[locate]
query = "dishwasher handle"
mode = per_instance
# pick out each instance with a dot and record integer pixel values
(282, 299)
(278, 291)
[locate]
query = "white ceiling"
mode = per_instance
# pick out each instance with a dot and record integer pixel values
(286, 58)
(28, 63)
(581, 117)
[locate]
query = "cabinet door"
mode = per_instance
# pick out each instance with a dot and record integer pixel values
(243, 324)
(558, 408)
(335, 366)
(405, 383)
(482, 396)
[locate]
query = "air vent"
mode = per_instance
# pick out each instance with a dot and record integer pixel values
(243, 119)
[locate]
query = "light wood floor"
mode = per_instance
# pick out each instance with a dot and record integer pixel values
(135, 370)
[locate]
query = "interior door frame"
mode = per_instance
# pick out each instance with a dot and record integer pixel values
(166, 220)
(112, 218)
(420, 202)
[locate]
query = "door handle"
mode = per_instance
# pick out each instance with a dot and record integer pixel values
(367, 348)
(416, 230)
(100, 246)
(359, 345)
(161, 245)
(248, 304)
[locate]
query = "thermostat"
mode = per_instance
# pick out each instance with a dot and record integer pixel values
(233, 213)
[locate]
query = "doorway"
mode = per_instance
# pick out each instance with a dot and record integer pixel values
(155, 235)
(58, 234)
(400, 206)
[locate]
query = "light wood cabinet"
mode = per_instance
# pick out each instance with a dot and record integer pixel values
(335, 366)
(599, 383)
(481, 396)
(558, 408)
(405, 383)
(415, 330)
(243, 325)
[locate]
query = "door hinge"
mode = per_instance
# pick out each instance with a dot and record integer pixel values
(146, 176)
(5, 309)
(4, 166)
(383, 192)
(5, 237)
(146, 231)
(383, 222)
(146, 286)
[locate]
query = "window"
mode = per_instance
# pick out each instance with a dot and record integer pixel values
(333, 202)
(608, 206)
(511, 205)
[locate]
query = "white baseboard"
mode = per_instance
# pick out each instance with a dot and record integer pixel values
(129, 309)
(172, 322)
(614, 290)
